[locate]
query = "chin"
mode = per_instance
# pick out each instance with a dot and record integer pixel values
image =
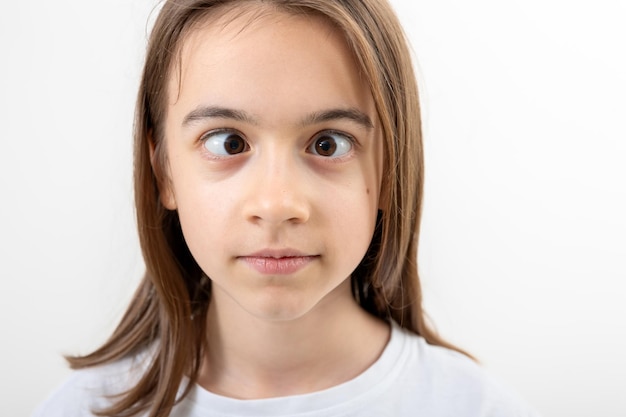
(280, 306)
(280, 312)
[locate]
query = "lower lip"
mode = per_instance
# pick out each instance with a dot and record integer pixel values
(277, 266)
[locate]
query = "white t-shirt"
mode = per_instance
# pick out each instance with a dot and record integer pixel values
(411, 378)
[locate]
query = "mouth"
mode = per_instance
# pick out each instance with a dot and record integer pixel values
(277, 262)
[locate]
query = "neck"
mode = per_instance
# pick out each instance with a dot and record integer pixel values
(250, 357)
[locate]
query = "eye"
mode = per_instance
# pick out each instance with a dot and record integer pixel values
(331, 144)
(224, 142)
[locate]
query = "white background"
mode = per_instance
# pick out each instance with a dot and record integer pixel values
(523, 250)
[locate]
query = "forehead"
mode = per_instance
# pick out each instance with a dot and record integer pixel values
(231, 24)
(246, 48)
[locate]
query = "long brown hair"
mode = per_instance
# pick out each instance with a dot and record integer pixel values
(169, 308)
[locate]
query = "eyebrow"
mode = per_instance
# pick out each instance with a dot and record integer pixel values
(351, 114)
(217, 112)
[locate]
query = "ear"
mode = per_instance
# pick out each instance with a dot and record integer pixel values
(158, 163)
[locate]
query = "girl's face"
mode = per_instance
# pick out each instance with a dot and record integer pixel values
(274, 160)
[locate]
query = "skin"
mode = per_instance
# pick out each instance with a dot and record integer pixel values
(274, 214)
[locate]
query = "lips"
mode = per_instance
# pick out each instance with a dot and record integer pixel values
(277, 262)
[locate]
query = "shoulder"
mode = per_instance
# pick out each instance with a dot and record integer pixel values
(91, 389)
(446, 382)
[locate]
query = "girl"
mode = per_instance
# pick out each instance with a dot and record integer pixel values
(278, 183)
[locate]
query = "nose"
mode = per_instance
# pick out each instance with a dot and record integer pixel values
(277, 191)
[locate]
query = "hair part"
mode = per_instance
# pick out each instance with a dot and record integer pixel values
(168, 310)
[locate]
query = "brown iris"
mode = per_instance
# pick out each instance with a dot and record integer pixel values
(234, 144)
(325, 146)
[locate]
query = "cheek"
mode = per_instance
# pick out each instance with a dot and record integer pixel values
(197, 225)
(371, 171)
(202, 211)
(351, 211)
(372, 178)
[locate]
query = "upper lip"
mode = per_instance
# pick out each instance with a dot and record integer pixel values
(277, 253)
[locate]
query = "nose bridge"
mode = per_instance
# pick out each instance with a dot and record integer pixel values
(277, 164)
(277, 193)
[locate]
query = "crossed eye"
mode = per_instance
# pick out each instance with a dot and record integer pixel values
(225, 142)
(328, 143)
(331, 144)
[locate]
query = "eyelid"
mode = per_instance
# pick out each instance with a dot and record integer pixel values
(207, 135)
